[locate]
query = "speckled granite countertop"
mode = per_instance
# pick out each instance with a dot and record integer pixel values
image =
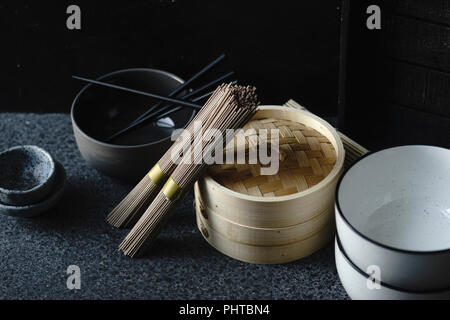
(35, 253)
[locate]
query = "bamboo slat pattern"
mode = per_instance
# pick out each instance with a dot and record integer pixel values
(353, 150)
(306, 158)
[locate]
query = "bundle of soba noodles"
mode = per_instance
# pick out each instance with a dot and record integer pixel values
(130, 209)
(231, 107)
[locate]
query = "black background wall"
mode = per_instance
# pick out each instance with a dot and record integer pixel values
(288, 49)
(397, 88)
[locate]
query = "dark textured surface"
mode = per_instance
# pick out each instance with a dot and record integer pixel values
(35, 253)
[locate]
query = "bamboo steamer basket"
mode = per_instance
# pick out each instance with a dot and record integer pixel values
(264, 254)
(285, 210)
(262, 236)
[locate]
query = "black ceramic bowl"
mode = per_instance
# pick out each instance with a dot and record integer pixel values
(98, 112)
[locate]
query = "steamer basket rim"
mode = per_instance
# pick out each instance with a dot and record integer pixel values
(337, 169)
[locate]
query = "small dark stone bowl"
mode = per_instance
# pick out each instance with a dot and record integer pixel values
(33, 210)
(26, 175)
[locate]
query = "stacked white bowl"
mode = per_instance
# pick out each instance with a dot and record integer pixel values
(393, 225)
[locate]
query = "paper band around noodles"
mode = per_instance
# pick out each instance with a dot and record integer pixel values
(157, 175)
(171, 190)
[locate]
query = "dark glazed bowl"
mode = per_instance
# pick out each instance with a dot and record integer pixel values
(26, 175)
(98, 112)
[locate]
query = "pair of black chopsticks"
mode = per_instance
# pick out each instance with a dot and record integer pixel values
(156, 112)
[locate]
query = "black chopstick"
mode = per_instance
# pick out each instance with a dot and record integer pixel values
(148, 117)
(184, 85)
(168, 113)
(190, 94)
(152, 95)
(158, 115)
(145, 119)
(145, 116)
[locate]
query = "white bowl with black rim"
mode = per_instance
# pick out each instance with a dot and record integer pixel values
(393, 212)
(359, 285)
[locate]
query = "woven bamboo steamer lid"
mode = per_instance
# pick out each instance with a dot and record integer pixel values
(262, 236)
(265, 254)
(353, 150)
(278, 211)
